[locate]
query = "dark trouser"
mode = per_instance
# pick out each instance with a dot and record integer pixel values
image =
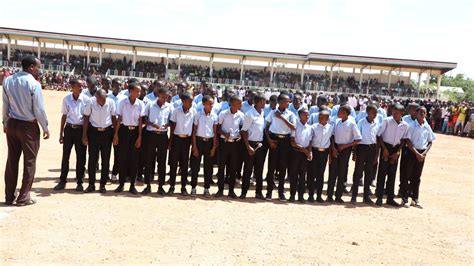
(73, 137)
(253, 163)
(404, 171)
(316, 171)
(228, 157)
(156, 149)
(298, 167)
(128, 156)
(142, 154)
(99, 141)
(387, 169)
(22, 137)
(204, 147)
(366, 155)
(278, 161)
(415, 168)
(116, 167)
(179, 153)
(338, 172)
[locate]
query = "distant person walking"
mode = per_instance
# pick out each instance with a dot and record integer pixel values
(23, 109)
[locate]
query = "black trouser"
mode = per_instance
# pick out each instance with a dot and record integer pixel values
(179, 154)
(365, 157)
(253, 163)
(99, 141)
(386, 168)
(204, 147)
(128, 156)
(142, 154)
(298, 167)
(338, 172)
(316, 171)
(73, 137)
(228, 157)
(156, 149)
(115, 167)
(404, 171)
(278, 161)
(414, 170)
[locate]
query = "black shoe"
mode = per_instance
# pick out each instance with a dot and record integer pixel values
(219, 194)
(161, 191)
(301, 200)
(368, 200)
(259, 196)
(319, 200)
(60, 186)
(339, 200)
(206, 193)
(353, 200)
(243, 196)
(9, 203)
(184, 192)
(393, 203)
(140, 178)
(346, 191)
(311, 199)
(102, 189)
(268, 196)
(89, 189)
(133, 190)
(292, 198)
(119, 189)
(232, 194)
(170, 191)
(370, 192)
(281, 197)
(329, 199)
(146, 190)
(79, 188)
(379, 202)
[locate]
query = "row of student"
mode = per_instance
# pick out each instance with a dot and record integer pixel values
(99, 123)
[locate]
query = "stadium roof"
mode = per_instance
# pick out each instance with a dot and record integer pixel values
(349, 61)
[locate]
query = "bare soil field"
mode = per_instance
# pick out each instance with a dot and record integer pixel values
(75, 228)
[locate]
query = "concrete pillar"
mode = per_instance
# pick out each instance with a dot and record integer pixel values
(88, 61)
(389, 79)
(8, 48)
(302, 74)
(428, 77)
(242, 70)
(419, 85)
(330, 76)
(100, 54)
(438, 84)
(134, 60)
(360, 77)
(39, 49)
(67, 52)
(179, 61)
(211, 62)
(271, 70)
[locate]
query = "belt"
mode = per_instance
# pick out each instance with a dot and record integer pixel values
(393, 146)
(157, 132)
(231, 140)
(420, 151)
(204, 139)
(101, 129)
(368, 145)
(183, 136)
(254, 142)
(321, 149)
(27, 121)
(74, 126)
(129, 127)
(280, 136)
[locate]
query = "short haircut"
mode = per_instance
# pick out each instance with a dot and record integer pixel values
(100, 93)
(185, 96)
(234, 98)
(371, 107)
(398, 107)
(116, 80)
(206, 98)
(324, 112)
(273, 98)
(74, 81)
(414, 106)
(302, 110)
(259, 97)
(133, 80)
(345, 108)
(133, 85)
(91, 79)
(162, 90)
(282, 97)
(420, 108)
(28, 61)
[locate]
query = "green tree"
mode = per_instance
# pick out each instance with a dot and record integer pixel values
(461, 81)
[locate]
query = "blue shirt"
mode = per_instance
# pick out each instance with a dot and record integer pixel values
(363, 114)
(231, 122)
(346, 132)
(293, 109)
(224, 106)
(157, 115)
(420, 135)
(277, 126)
(183, 121)
(150, 97)
(254, 124)
(216, 107)
(175, 98)
(74, 108)
(302, 134)
(335, 110)
(205, 124)
(267, 109)
(23, 99)
(117, 98)
(198, 98)
(322, 135)
(368, 131)
(245, 107)
(391, 131)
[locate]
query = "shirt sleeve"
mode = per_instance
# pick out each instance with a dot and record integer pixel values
(64, 109)
(142, 109)
(174, 115)
(38, 107)
(118, 110)
(196, 119)
(382, 128)
(356, 132)
(221, 118)
(5, 105)
(112, 108)
(247, 122)
(269, 117)
(431, 136)
(88, 108)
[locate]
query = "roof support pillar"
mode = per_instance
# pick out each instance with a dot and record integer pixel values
(167, 63)
(179, 61)
(302, 73)
(134, 59)
(331, 75)
(361, 76)
(8, 48)
(389, 79)
(419, 84)
(39, 48)
(272, 69)
(211, 62)
(428, 77)
(438, 84)
(100, 54)
(242, 70)
(67, 52)
(88, 60)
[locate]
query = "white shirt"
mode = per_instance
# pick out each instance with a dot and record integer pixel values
(254, 124)
(302, 134)
(100, 116)
(87, 93)
(183, 121)
(205, 124)
(277, 126)
(368, 131)
(420, 135)
(157, 115)
(74, 109)
(117, 98)
(391, 131)
(322, 135)
(130, 113)
(346, 132)
(231, 122)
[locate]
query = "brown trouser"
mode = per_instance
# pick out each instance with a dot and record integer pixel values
(22, 137)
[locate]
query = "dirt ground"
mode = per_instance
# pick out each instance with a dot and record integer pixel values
(76, 228)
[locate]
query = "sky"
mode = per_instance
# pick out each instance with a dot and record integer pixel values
(435, 30)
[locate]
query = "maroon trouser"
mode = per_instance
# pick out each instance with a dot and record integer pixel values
(22, 137)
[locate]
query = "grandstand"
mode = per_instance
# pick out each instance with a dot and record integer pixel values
(67, 53)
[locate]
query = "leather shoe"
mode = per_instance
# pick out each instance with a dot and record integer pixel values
(368, 200)
(339, 200)
(393, 203)
(311, 199)
(119, 189)
(60, 186)
(281, 197)
(146, 190)
(379, 202)
(232, 194)
(89, 189)
(79, 188)
(219, 193)
(184, 192)
(161, 191)
(319, 200)
(259, 196)
(102, 189)
(133, 190)
(170, 191)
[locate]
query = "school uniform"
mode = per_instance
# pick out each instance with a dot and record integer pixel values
(229, 147)
(73, 109)
(420, 136)
(215, 107)
(174, 98)
(100, 134)
(335, 111)
(204, 124)
(295, 110)
(128, 133)
(224, 106)
(345, 132)
(246, 106)
(254, 125)
(321, 141)
(86, 92)
(366, 154)
(115, 167)
(157, 140)
(298, 164)
(278, 157)
(180, 144)
(391, 133)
